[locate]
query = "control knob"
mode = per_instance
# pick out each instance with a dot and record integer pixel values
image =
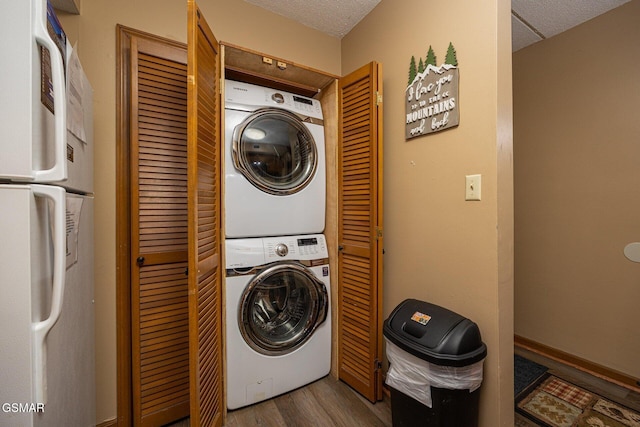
(282, 249)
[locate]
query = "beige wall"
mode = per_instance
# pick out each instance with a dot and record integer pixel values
(577, 198)
(233, 21)
(438, 247)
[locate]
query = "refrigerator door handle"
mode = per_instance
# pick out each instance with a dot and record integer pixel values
(58, 171)
(42, 328)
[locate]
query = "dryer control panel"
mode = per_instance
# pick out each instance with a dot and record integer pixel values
(248, 97)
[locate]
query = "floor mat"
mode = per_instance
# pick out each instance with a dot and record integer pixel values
(555, 402)
(525, 373)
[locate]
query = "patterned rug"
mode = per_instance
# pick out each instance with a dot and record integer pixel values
(554, 402)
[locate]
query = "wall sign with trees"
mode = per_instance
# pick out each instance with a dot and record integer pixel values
(432, 94)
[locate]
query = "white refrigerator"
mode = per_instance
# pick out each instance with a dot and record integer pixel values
(47, 351)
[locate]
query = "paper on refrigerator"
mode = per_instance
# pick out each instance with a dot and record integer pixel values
(74, 209)
(75, 95)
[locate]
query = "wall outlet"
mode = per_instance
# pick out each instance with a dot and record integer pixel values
(473, 189)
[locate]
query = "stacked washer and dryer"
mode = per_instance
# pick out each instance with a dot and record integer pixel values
(278, 320)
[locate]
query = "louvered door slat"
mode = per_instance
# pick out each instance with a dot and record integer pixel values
(360, 218)
(205, 304)
(161, 337)
(165, 99)
(156, 85)
(160, 331)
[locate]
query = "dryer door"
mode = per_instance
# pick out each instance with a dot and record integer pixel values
(281, 308)
(275, 151)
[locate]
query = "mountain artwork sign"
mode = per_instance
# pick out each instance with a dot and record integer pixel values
(432, 95)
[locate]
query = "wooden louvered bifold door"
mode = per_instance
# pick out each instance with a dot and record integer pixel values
(205, 276)
(360, 231)
(160, 335)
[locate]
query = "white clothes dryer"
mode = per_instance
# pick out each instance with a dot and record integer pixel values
(274, 162)
(278, 320)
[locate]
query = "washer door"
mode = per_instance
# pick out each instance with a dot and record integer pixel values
(275, 151)
(281, 308)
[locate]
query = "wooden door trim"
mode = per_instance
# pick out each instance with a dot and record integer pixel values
(124, 37)
(379, 241)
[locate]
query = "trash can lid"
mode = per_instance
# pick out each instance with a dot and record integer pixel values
(435, 334)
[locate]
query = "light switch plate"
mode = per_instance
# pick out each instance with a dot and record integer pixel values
(473, 189)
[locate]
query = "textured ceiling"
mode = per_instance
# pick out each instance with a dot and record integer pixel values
(531, 20)
(535, 20)
(333, 17)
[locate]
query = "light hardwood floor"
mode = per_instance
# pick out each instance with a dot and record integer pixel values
(328, 402)
(324, 403)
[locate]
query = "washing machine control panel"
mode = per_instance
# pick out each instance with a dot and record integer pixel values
(305, 247)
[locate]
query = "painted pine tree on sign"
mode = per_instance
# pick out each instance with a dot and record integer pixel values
(412, 69)
(431, 57)
(451, 56)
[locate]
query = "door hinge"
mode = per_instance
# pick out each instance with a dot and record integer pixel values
(379, 233)
(378, 98)
(377, 365)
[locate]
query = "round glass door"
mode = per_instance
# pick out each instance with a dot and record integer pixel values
(281, 308)
(275, 151)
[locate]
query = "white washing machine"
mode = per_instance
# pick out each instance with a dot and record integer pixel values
(278, 320)
(274, 162)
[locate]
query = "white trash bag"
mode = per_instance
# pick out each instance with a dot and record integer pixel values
(414, 376)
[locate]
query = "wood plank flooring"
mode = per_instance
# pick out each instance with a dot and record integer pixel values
(328, 402)
(324, 403)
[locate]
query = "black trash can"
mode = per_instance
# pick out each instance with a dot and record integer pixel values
(435, 370)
